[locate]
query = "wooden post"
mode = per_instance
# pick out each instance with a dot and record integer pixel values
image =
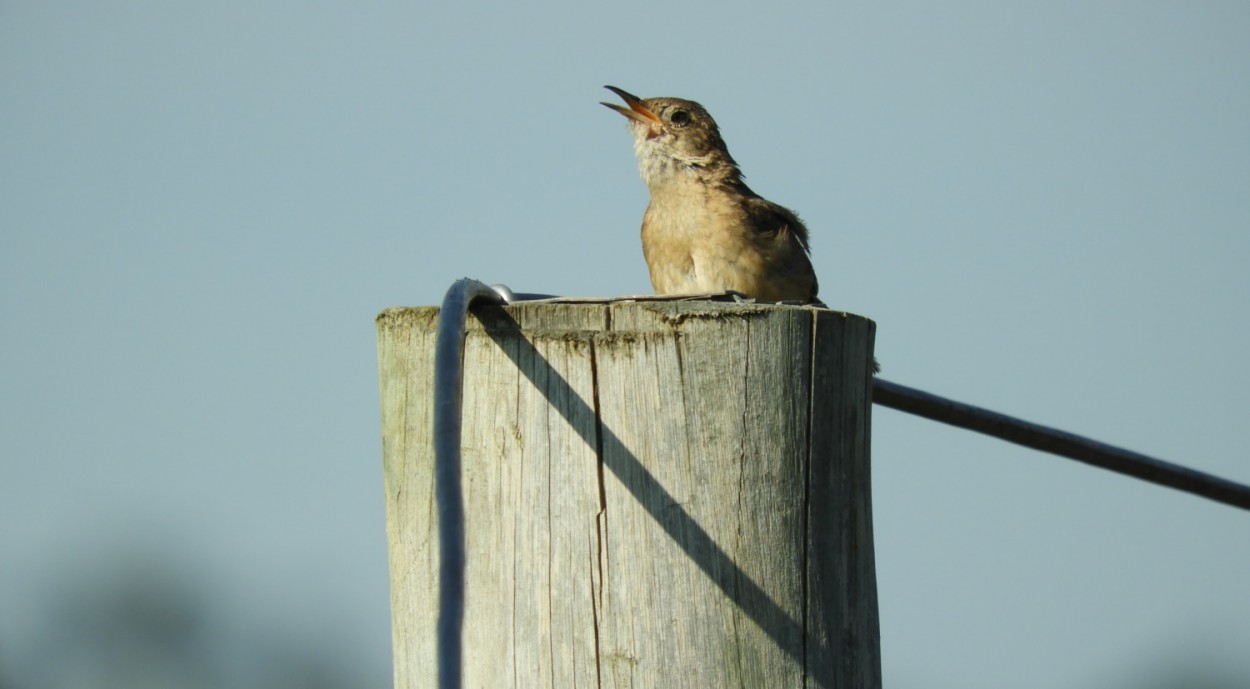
(657, 494)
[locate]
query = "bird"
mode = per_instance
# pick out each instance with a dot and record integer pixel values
(704, 230)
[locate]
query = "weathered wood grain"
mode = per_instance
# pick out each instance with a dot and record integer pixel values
(661, 494)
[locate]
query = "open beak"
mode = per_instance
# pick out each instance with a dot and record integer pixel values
(636, 110)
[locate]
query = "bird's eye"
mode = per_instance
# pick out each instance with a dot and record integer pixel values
(679, 118)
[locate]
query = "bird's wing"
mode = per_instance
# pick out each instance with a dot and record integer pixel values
(782, 240)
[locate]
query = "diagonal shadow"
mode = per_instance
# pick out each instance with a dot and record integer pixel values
(737, 585)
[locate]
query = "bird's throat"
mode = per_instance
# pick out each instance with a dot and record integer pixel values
(668, 173)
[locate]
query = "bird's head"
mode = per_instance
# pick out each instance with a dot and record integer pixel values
(672, 136)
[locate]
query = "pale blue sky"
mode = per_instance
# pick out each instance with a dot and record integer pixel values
(1045, 206)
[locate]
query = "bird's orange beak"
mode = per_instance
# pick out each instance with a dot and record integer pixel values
(636, 110)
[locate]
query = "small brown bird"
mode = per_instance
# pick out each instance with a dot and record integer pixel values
(705, 230)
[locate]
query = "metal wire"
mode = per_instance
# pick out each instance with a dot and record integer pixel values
(449, 494)
(1059, 442)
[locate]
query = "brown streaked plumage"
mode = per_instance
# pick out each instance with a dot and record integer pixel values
(705, 230)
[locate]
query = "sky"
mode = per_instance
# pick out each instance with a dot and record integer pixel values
(1045, 207)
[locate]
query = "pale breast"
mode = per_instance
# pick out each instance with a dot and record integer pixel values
(679, 241)
(696, 242)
